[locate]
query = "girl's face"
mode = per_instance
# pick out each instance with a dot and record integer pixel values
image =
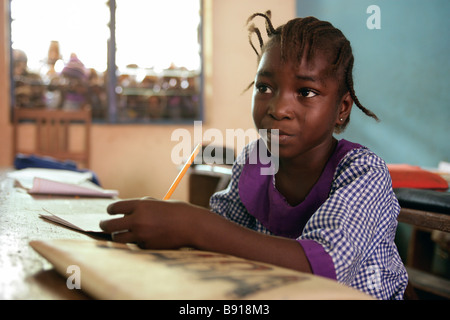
(300, 100)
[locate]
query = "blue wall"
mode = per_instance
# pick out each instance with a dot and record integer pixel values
(402, 73)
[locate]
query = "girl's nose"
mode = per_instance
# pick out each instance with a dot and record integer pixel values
(280, 108)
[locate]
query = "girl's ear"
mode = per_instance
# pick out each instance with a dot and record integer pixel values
(345, 107)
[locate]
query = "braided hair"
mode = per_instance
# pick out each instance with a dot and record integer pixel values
(301, 38)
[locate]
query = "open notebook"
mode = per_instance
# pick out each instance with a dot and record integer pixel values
(59, 182)
(86, 223)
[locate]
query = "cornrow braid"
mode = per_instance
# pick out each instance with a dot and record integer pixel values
(253, 29)
(349, 80)
(268, 15)
(301, 38)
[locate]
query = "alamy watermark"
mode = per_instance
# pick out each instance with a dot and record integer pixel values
(374, 279)
(374, 20)
(212, 152)
(74, 279)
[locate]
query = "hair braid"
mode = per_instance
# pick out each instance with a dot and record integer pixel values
(253, 29)
(349, 81)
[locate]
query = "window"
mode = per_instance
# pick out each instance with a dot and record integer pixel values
(130, 61)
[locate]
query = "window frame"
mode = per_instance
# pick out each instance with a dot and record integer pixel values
(110, 87)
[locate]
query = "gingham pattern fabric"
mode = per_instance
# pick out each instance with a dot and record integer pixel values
(356, 225)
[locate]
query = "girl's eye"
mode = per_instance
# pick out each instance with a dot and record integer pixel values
(262, 88)
(307, 93)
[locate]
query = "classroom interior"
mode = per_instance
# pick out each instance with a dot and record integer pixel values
(401, 73)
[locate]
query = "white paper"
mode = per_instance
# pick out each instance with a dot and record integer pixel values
(59, 182)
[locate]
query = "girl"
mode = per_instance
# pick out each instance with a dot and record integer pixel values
(329, 209)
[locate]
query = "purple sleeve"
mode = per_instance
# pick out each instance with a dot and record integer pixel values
(320, 261)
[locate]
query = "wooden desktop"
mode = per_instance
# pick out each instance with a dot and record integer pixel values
(26, 274)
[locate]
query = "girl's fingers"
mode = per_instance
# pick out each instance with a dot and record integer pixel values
(115, 225)
(123, 237)
(122, 207)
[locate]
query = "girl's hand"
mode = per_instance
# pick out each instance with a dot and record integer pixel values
(151, 223)
(156, 224)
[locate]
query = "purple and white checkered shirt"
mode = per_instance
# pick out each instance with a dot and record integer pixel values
(346, 225)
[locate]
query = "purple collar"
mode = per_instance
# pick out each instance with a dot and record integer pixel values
(265, 203)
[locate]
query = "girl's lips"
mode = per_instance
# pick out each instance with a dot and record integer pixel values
(281, 136)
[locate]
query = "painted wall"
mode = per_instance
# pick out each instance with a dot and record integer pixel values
(401, 72)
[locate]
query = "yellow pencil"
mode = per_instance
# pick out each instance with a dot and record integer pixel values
(182, 172)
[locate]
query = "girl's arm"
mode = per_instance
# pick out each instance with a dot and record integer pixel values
(158, 224)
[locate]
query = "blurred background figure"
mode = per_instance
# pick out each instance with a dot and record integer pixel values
(74, 88)
(29, 89)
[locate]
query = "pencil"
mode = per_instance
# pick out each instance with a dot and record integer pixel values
(182, 172)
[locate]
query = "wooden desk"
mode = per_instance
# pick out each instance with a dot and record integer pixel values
(200, 275)
(24, 273)
(425, 219)
(421, 251)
